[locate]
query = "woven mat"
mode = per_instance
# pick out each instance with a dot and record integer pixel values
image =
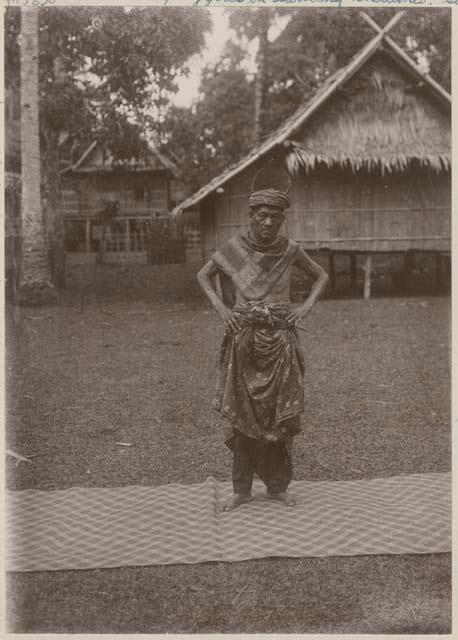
(83, 528)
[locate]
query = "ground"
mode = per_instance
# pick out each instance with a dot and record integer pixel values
(83, 376)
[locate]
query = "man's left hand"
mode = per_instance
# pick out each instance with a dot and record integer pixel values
(298, 314)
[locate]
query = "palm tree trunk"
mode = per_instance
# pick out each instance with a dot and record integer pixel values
(260, 89)
(35, 282)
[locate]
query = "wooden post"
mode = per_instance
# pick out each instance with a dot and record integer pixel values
(127, 247)
(367, 277)
(409, 266)
(332, 271)
(447, 265)
(353, 273)
(438, 270)
(88, 235)
(409, 262)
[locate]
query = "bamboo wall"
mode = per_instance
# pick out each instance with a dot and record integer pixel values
(338, 210)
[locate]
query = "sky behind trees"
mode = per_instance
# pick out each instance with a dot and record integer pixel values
(214, 44)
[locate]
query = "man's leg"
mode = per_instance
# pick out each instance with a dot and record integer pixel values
(275, 469)
(242, 470)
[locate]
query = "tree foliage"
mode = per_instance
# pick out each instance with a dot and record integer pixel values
(211, 136)
(103, 68)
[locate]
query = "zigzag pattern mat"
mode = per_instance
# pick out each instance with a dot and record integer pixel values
(112, 527)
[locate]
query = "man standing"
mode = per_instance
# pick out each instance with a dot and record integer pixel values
(260, 387)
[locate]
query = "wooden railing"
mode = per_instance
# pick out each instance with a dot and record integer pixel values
(125, 233)
(156, 238)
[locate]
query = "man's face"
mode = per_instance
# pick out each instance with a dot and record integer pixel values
(265, 222)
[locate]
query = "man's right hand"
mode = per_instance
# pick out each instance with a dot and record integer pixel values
(228, 317)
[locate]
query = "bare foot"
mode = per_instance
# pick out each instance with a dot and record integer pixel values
(236, 500)
(284, 497)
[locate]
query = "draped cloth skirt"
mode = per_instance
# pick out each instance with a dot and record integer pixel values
(260, 389)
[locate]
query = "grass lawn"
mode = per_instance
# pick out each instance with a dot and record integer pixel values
(81, 378)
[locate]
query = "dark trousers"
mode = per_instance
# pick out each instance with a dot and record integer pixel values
(270, 461)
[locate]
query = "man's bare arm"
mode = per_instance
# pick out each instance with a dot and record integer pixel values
(206, 278)
(311, 268)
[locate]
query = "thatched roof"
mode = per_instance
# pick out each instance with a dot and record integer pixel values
(92, 161)
(373, 142)
(377, 121)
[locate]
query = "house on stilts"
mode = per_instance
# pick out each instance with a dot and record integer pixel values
(370, 159)
(141, 192)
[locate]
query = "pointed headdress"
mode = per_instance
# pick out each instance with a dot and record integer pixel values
(270, 186)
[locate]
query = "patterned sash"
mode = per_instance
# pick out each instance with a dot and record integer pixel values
(252, 272)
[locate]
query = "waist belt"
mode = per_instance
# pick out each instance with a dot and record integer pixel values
(265, 316)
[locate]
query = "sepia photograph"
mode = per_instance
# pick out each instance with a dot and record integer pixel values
(227, 268)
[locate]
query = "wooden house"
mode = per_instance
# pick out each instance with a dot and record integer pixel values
(369, 155)
(144, 192)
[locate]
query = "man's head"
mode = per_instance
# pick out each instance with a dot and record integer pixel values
(267, 213)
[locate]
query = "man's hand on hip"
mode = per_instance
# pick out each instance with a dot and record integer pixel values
(228, 317)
